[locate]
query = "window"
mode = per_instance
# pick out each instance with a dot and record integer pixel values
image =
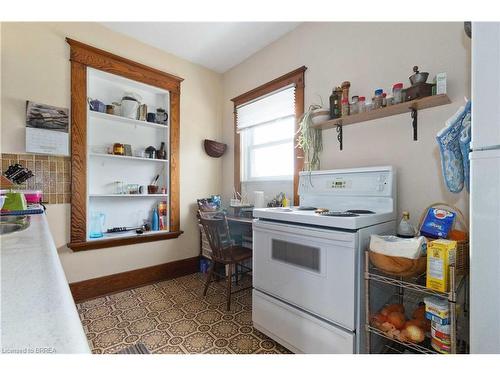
(267, 128)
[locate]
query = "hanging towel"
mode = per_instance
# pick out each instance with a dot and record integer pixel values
(465, 137)
(449, 147)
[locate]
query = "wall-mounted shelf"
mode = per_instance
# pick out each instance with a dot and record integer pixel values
(412, 106)
(98, 155)
(124, 120)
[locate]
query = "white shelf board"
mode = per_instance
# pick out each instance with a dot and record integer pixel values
(124, 120)
(96, 154)
(127, 195)
(130, 233)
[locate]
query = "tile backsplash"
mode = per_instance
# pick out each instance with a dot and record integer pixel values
(52, 175)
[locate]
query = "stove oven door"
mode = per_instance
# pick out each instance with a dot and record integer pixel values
(311, 268)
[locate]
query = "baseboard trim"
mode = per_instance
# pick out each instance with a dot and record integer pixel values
(101, 286)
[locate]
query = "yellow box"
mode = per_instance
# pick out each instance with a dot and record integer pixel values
(440, 255)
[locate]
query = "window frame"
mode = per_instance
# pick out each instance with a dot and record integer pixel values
(295, 77)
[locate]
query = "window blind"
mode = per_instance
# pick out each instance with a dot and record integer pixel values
(277, 105)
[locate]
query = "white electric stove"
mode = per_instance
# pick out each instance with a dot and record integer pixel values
(308, 266)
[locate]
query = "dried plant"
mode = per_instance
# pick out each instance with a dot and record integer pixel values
(310, 140)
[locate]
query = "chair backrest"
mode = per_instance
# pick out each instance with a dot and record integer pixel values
(217, 232)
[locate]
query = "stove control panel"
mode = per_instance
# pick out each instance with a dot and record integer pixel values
(340, 183)
(362, 182)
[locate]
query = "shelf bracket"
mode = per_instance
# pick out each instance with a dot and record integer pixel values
(340, 135)
(414, 116)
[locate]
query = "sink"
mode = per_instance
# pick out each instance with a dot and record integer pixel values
(11, 224)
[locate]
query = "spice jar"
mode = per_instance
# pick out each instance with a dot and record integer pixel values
(118, 149)
(345, 107)
(335, 105)
(361, 104)
(354, 105)
(377, 99)
(345, 90)
(384, 99)
(397, 91)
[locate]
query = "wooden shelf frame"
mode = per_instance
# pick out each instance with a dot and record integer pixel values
(412, 107)
(82, 57)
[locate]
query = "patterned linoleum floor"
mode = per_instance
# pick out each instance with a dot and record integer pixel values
(173, 317)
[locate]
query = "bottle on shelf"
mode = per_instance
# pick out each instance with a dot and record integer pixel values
(405, 229)
(335, 108)
(155, 223)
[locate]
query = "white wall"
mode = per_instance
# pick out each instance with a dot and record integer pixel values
(35, 66)
(369, 55)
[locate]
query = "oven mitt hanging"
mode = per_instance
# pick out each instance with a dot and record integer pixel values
(449, 147)
(465, 137)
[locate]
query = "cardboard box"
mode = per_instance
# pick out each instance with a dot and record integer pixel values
(440, 255)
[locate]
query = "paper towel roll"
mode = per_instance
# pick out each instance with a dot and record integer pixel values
(258, 199)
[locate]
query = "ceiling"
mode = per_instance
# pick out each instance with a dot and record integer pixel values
(216, 45)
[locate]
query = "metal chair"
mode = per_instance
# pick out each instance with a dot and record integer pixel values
(224, 251)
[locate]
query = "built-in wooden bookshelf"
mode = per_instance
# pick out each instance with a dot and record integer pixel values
(96, 173)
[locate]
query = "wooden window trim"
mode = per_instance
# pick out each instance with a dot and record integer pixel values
(83, 56)
(295, 77)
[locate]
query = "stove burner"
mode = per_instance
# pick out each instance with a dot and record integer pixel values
(360, 211)
(339, 213)
(306, 208)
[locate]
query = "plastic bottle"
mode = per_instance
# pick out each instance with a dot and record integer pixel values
(405, 229)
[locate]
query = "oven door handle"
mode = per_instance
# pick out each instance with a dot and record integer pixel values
(297, 230)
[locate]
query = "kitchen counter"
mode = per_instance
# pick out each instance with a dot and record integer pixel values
(38, 314)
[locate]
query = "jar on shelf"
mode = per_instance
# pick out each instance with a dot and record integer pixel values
(377, 99)
(384, 100)
(335, 103)
(397, 93)
(362, 104)
(354, 109)
(345, 107)
(345, 90)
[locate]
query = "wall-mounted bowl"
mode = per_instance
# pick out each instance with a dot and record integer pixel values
(214, 149)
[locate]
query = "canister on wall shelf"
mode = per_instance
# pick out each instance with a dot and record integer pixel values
(335, 106)
(345, 107)
(362, 104)
(377, 99)
(345, 90)
(397, 93)
(354, 105)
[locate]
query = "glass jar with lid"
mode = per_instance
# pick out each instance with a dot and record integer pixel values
(354, 109)
(397, 93)
(362, 104)
(377, 99)
(345, 107)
